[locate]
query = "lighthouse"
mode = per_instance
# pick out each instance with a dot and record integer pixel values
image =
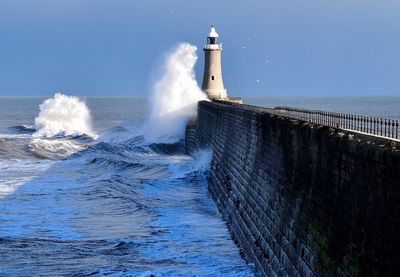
(213, 85)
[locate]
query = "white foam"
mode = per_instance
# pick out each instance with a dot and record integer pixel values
(174, 97)
(54, 148)
(63, 115)
(182, 165)
(14, 173)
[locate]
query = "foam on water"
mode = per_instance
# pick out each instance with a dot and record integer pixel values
(16, 172)
(53, 149)
(174, 96)
(202, 159)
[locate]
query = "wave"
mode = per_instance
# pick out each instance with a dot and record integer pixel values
(23, 129)
(134, 140)
(174, 96)
(130, 202)
(120, 164)
(168, 148)
(12, 148)
(63, 115)
(54, 148)
(16, 171)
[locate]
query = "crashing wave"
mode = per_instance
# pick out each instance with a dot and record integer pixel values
(175, 96)
(63, 115)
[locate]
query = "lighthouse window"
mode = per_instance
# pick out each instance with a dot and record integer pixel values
(212, 78)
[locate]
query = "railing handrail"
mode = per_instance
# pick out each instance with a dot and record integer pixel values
(384, 127)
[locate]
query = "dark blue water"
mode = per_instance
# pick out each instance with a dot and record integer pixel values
(117, 205)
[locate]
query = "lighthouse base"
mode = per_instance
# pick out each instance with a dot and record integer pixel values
(217, 94)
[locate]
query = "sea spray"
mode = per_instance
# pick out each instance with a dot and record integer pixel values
(174, 96)
(202, 159)
(63, 115)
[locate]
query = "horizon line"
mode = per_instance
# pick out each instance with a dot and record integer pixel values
(249, 96)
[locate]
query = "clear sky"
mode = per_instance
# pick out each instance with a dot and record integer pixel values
(293, 47)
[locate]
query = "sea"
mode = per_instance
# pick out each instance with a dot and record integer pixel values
(86, 194)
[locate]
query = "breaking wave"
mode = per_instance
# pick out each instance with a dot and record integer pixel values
(54, 149)
(174, 96)
(63, 115)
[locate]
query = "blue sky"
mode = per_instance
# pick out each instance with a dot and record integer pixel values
(293, 47)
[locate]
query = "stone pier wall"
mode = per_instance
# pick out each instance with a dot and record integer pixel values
(302, 199)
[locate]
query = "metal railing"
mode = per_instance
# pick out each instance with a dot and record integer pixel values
(366, 124)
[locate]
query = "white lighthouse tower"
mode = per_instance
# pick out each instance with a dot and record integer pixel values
(213, 84)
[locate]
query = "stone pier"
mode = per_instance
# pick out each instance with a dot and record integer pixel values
(302, 199)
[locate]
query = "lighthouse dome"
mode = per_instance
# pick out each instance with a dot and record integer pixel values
(213, 33)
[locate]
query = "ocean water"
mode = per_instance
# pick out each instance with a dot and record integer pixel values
(111, 204)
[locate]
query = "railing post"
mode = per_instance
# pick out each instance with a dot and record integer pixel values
(385, 126)
(355, 123)
(393, 125)
(320, 120)
(319, 117)
(334, 121)
(361, 123)
(326, 118)
(347, 121)
(330, 116)
(337, 120)
(352, 122)
(363, 126)
(371, 125)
